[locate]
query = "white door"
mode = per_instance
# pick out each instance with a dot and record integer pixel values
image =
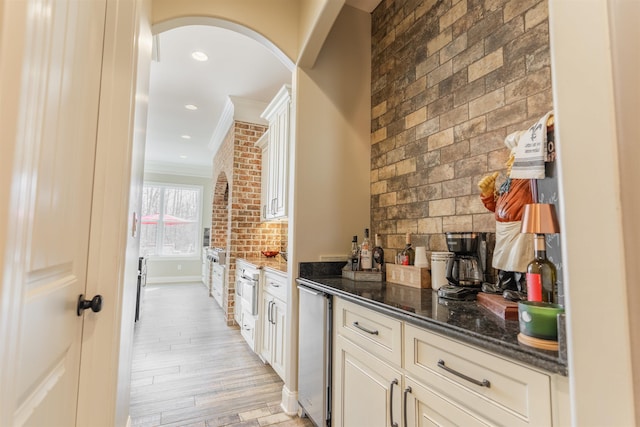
(50, 64)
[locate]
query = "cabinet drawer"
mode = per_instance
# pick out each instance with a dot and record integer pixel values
(276, 285)
(375, 332)
(248, 328)
(514, 394)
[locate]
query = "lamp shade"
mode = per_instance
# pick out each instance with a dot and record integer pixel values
(540, 218)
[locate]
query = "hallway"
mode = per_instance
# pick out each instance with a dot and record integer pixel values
(190, 369)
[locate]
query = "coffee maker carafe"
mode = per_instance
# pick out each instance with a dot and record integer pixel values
(465, 272)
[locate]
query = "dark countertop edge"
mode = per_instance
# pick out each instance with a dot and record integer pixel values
(517, 354)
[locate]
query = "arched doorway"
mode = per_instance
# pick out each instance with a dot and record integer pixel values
(220, 213)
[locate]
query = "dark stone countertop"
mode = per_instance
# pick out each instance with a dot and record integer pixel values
(465, 321)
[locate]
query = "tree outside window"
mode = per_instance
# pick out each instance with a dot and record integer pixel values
(170, 220)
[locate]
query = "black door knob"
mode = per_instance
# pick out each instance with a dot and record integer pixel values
(94, 304)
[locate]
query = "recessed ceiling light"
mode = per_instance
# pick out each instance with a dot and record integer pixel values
(190, 107)
(186, 136)
(182, 156)
(199, 56)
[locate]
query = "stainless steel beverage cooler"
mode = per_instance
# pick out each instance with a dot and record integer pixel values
(314, 355)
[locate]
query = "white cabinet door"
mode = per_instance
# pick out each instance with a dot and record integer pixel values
(280, 161)
(275, 156)
(279, 317)
(265, 208)
(273, 337)
(425, 407)
(266, 333)
(365, 388)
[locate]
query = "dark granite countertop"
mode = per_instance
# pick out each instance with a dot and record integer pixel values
(465, 321)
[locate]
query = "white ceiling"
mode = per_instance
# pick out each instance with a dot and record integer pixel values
(238, 67)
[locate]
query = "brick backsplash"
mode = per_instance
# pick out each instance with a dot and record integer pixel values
(450, 80)
(236, 225)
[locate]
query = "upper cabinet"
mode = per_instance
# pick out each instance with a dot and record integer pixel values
(275, 156)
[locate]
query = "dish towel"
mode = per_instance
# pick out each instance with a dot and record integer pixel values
(531, 151)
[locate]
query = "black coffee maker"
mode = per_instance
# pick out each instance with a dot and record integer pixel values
(466, 269)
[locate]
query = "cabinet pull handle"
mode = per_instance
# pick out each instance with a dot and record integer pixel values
(273, 304)
(269, 312)
(483, 383)
(406, 391)
(362, 328)
(393, 423)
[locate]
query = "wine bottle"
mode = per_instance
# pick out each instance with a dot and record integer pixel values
(365, 252)
(378, 255)
(408, 255)
(354, 256)
(541, 274)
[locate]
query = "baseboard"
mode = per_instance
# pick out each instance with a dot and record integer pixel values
(289, 402)
(174, 279)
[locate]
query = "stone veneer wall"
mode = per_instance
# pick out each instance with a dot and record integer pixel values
(240, 231)
(450, 80)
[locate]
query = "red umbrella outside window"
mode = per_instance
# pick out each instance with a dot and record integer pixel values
(167, 219)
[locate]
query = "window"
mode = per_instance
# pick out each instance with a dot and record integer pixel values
(170, 221)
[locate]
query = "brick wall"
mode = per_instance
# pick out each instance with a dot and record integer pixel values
(450, 80)
(236, 205)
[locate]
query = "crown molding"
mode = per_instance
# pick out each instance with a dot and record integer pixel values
(248, 110)
(200, 171)
(236, 109)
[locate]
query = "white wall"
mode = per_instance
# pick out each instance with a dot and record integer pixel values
(588, 125)
(160, 270)
(333, 150)
(625, 34)
(329, 178)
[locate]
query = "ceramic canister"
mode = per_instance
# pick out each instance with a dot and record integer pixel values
(439, 269)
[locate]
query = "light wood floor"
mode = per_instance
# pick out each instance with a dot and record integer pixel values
(190, 369)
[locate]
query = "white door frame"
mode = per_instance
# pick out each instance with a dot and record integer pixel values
(113, 248)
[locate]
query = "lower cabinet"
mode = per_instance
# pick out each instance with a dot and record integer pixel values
(437, 382)
(217, 282)
(366, 390)
(273, 313)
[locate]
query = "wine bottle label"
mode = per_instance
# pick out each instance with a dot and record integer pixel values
(534, 287)
(365, 259)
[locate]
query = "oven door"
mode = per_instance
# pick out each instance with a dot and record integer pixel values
(249, 295)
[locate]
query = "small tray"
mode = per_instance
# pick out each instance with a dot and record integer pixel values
(363, 276)
(409, 275)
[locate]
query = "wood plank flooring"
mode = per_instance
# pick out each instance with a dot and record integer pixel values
(190, 369)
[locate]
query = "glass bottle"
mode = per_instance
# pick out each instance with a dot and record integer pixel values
(408, 255)
(378, 255)
(366, 262)
(541, 274)
(354, 256)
